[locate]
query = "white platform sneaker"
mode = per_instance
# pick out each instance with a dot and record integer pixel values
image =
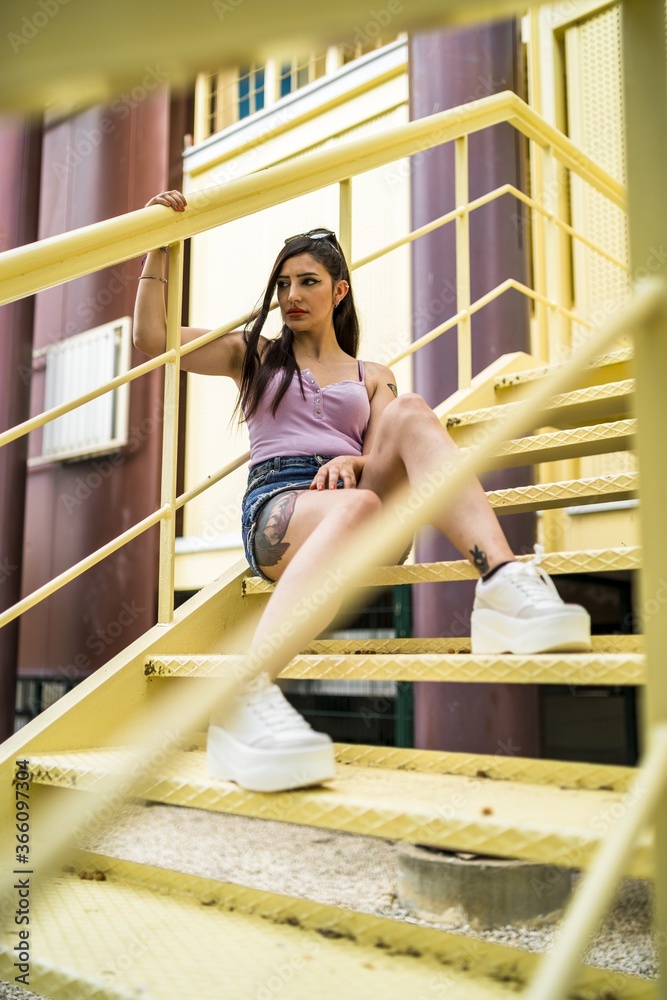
(520, 611)
(262, 743)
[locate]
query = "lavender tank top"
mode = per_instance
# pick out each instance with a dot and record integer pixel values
(332, 420)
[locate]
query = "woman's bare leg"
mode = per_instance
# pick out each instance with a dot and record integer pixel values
(298, 530)
(412, 442)
(295, 532)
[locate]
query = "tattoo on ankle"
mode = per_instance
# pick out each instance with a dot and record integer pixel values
(272, 523)
(479, 560)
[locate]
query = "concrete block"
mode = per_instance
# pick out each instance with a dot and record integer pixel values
(458, 888)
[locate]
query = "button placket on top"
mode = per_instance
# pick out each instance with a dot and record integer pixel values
(318, 404)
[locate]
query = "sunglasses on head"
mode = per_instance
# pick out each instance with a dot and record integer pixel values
(318, 234)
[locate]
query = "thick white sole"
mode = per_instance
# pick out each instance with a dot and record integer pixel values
(566, 631)
(259, 770)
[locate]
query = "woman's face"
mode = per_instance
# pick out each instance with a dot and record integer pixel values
(306, 293)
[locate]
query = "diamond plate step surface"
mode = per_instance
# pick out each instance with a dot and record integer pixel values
(503, 766)
(139, 931)
(445, 644)
(546, 668)
(611, 400)
(602, 365)
(547, 496)
(575, 442)
(504, 818)
(583, 561)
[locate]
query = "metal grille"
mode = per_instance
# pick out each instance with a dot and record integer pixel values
(595, 112)
(75, 366)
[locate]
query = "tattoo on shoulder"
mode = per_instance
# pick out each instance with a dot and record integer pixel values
(393, 388)
(479, 560)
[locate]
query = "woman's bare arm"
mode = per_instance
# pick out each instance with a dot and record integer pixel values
(223, 356)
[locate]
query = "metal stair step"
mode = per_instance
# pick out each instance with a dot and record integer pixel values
(545, 668)
(614, 643)
(622, 359)
(581, 561)
(503, 818)
(547, 496)
(609, 401)
(575, 442)
(502, 766)
(131, 930)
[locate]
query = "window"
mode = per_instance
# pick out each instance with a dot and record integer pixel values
(250, 90)
(77, 365)
(297, 72)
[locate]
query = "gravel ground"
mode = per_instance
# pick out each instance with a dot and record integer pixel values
(336, 868)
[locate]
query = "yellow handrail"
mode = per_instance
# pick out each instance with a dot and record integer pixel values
(34, 267)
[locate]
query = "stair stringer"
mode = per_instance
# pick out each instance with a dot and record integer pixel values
(482, 390)
(103, 709)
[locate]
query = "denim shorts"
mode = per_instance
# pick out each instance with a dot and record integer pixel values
(266, 481)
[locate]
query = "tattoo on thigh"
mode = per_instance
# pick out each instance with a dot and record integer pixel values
(393, 388)
(479, 560)
(272, 523)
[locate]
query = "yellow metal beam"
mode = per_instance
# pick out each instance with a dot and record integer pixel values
(505, 818)
(120, 933)
(645, 117)
(591, 561)
(545, 668)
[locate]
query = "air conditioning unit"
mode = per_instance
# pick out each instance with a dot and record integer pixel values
(75, 366)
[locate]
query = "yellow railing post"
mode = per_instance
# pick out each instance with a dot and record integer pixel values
(548, 196)
(345, 218)
(643, 47)
(539, 257)
(464, 342)
(541, 344)
(172, 371)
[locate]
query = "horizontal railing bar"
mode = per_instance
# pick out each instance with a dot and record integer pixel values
(564, 226)
(31, 268)
(484, 199)
(537, 128)
(531, 293)
(78, 568)
(195, 491)
(58, 411)
(484, 300)
(410, 238)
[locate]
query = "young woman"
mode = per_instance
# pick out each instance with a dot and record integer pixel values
(329, 441)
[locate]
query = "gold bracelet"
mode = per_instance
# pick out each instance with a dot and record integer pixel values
(154, 276)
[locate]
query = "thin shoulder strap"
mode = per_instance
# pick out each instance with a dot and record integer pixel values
(361, 370)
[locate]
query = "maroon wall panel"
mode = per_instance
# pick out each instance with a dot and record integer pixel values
(20, 151)
(100, 164)
(449, 69)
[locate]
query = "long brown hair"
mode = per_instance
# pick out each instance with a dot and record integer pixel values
(279, 353)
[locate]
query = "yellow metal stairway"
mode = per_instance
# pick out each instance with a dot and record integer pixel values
(104, 927)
